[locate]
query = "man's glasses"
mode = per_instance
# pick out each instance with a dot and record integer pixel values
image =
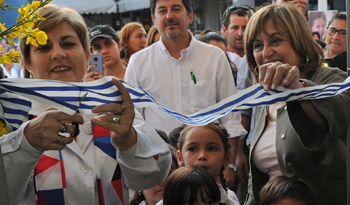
(332, 31)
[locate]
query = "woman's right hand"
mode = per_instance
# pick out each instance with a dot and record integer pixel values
(92, 75)
(42, 132)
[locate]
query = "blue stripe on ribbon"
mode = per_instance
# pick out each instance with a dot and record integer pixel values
(65, 96)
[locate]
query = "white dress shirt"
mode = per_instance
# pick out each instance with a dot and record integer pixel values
(138, 164)
(169, 82)
(13, 74)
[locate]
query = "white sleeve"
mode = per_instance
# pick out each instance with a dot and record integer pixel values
(132, 78)
(244, 80)
(148, 162)
(226, 88)
(20, 158)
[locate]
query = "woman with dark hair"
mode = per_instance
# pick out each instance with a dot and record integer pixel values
(304, 140)
(316, 35)
(335, 55)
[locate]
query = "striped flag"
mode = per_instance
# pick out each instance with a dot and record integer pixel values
(16, 96)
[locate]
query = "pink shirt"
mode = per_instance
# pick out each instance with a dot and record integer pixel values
(264, 153)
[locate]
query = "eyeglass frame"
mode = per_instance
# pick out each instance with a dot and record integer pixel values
(336, 30)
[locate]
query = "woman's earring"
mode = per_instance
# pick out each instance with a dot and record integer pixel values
(307, 60)
(256, 69)
(31, 76)
(139, 193)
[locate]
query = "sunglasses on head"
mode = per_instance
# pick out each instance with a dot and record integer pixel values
(233, 8)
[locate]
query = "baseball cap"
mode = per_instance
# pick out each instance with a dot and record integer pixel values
(103, 31)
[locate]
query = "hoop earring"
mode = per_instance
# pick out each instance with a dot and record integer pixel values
(139, 193)
(256, 69)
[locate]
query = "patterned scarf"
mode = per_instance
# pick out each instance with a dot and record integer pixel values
(50, 178)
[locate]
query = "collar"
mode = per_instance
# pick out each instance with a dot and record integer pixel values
(185, 53)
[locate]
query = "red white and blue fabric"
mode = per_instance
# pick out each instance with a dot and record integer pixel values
(50, 181)
(64, 96)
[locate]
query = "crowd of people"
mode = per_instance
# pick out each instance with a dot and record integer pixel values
(284, 153)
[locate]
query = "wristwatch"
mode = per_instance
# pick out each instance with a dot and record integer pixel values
(233, 167)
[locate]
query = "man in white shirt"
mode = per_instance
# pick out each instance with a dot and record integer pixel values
(182, 73)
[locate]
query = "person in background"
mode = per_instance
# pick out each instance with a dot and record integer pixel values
(73, 167)
(336, 55)
(318, 22)
(152, 36)
(316, 35)
(235, 20)
(286, 191)
(296, 138)
(133, 39)
(104, 41)
(216, 39)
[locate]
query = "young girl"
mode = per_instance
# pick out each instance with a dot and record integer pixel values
(191, 185)
(208, 147)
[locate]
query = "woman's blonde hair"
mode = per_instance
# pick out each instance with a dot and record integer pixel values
(150, 36)
(288, 20)
(125, 33)
(55, 15)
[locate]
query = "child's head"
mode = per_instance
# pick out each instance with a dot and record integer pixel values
(191, 185)
(155, 194)
(286, 191)
(206, 146)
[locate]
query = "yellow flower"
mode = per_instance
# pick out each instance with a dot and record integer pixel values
(11, 37)
(6, 59)
(31, 40)
(23, 11)
(36, 4)
(40, 36)
(3, 128)
(2, 27)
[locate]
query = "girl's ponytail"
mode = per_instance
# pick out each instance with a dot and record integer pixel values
(222, 179)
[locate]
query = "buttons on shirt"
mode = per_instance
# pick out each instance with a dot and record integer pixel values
(84, 169)
(13, 142)
(282, 136)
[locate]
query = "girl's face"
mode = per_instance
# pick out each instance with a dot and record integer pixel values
(137, 40)
(155, 194)
(203, 147)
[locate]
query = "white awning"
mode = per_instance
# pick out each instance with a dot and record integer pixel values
(88, 6)
(131, 5)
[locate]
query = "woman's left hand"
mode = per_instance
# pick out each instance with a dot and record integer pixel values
(117, 119)
(276, 74)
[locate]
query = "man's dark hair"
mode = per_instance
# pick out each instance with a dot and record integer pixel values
(186, 3)
(339, 16)
(239, 11)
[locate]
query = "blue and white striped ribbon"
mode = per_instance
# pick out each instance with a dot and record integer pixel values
(16, 96)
